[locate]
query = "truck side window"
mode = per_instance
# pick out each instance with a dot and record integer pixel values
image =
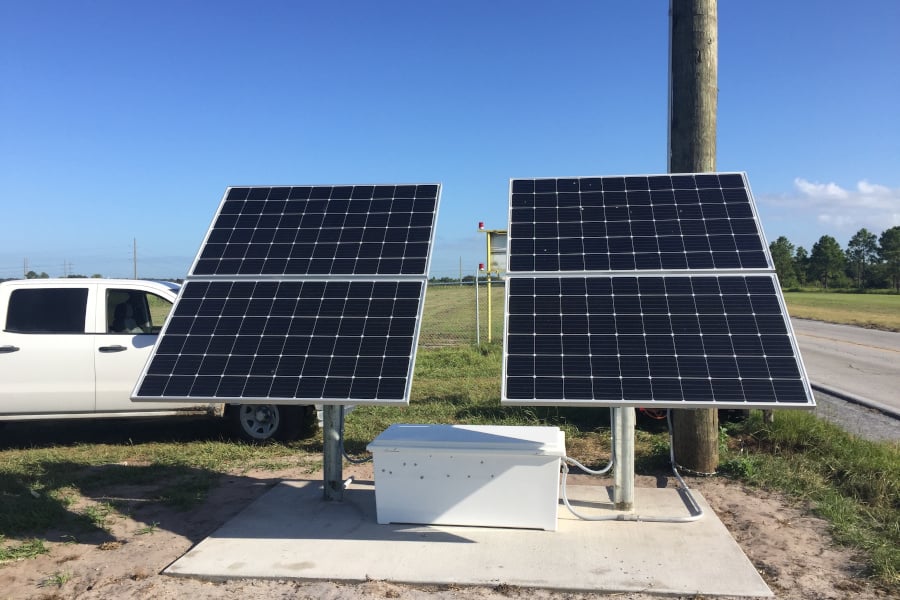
(135, 311)
(47, 310)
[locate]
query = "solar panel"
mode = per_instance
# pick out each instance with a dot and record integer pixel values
(671, 324)
(321, 230)
(637, 223)
(300, 295)
(660, 340)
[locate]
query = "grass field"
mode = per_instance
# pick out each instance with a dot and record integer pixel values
(159, 309)
(875, 311)
(449, 316)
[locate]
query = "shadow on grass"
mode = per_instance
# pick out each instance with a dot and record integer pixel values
(81, 502)
(53, 434)
(60, 498)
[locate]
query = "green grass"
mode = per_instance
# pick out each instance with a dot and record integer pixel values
(853, 483)
(462, 385)
(59, 579)
(100, 515)
(23, 550)
(449, 315)
(37, 485)
(148, 529)
(159, 309)
(875, 311)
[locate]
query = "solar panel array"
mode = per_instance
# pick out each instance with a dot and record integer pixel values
(644, 291)
(301, 294)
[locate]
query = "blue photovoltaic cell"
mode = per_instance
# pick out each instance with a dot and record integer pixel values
(321, 230)
(300, 294)
(640, 223)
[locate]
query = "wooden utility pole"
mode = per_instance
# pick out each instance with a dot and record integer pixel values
(693, 96)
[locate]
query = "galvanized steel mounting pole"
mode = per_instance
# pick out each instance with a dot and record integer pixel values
(331, 453)
(623, 451)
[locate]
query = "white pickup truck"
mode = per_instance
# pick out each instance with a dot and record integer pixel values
(74, 348)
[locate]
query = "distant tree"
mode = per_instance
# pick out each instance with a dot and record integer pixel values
(783, 256)
(96, 276)
(889, 251)
(31, 275)
(827, 261)
(862, 251)
(43, 275)
(801, 265)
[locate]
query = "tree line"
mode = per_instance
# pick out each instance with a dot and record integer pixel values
(868, 262)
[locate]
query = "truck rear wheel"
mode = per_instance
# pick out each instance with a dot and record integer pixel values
(260, 423)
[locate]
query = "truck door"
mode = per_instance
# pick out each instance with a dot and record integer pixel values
(46, 356)
(132, 321)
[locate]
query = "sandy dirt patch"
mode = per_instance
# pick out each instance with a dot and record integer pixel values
(790, 548)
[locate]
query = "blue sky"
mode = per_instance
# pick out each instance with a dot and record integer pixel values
(127, 120)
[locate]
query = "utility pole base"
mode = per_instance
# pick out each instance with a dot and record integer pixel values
(696, 440)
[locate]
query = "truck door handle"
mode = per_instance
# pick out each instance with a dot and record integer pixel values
(8, 349)
(108, 349)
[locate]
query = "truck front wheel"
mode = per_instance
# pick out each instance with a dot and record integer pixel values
(263, 422)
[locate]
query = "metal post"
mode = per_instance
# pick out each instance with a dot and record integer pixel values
(490, 308)
(331, 453)
(477, 313)
(623, 450)
(487, 238)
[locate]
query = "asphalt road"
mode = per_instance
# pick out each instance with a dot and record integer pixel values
(867, 423)
(860, 364)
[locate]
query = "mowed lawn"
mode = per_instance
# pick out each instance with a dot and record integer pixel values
(449, 315)
(875, 311)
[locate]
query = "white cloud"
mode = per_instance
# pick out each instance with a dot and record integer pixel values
(837, 211)
(834, 200)
(873, 188)
(820, 190)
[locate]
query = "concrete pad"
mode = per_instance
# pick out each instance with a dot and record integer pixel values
(292, 533)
